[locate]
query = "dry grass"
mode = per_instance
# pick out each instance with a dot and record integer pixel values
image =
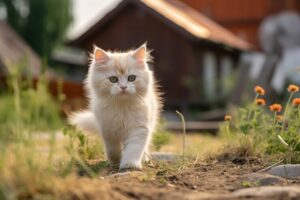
(27, 172)
(198, 145)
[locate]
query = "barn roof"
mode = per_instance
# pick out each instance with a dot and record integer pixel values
(14, 51)
(186, 19)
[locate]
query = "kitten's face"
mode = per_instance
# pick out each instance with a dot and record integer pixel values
(120, 74)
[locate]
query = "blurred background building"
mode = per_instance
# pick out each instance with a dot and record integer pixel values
(243, 17)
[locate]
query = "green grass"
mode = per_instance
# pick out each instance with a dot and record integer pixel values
(161, 137)
(29, 107)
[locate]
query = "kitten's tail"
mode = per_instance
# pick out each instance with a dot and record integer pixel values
(84, 121)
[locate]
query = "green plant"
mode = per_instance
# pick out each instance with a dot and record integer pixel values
(161, 137)
(27, 105)
(270, 132)
(80, 142)
(28, 112)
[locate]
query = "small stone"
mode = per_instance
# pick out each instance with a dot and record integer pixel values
(288, 192)
(257, 179)
(286, 171)
(171, 185)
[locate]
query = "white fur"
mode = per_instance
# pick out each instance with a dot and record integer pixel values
(126, 121)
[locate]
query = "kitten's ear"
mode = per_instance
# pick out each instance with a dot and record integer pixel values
(100, 55)
(140, 54)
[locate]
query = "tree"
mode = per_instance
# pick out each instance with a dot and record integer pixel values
(42, 23)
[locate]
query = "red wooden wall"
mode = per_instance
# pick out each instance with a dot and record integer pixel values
(242, 17)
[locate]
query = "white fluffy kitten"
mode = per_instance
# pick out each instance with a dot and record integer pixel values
(123, 105)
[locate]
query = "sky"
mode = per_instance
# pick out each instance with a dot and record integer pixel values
(86, 13)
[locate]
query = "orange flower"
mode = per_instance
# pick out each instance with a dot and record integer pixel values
(279, 117)
(296, 102)
(293, 88)
(275, 107)
(227, 118)
(259, 90)
(260, 102)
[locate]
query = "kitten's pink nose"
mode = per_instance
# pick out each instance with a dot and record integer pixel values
(123, 88)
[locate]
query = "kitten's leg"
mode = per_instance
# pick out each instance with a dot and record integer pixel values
(113, 150)
(134, 149)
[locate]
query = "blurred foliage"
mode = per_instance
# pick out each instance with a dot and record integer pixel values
(27, 106)
(161, 137)
(42, 24)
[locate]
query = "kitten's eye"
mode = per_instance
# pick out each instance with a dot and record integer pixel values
(113, 79)
(131, 78)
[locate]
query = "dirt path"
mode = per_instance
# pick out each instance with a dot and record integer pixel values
(162, 181)
(203, 181)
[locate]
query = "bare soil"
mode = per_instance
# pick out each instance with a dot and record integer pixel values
(200, 181)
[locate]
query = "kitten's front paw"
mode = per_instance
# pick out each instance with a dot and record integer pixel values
(132, 165)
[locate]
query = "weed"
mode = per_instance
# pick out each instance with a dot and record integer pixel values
(161, 137)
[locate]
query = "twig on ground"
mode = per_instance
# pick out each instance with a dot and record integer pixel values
(269, 167)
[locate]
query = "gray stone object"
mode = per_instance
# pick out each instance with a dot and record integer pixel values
(286, 171)
(256, 193)
(257, 179)
(285, 192)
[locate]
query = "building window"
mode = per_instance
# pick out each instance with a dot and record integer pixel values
(209, 75)
(227, 77)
